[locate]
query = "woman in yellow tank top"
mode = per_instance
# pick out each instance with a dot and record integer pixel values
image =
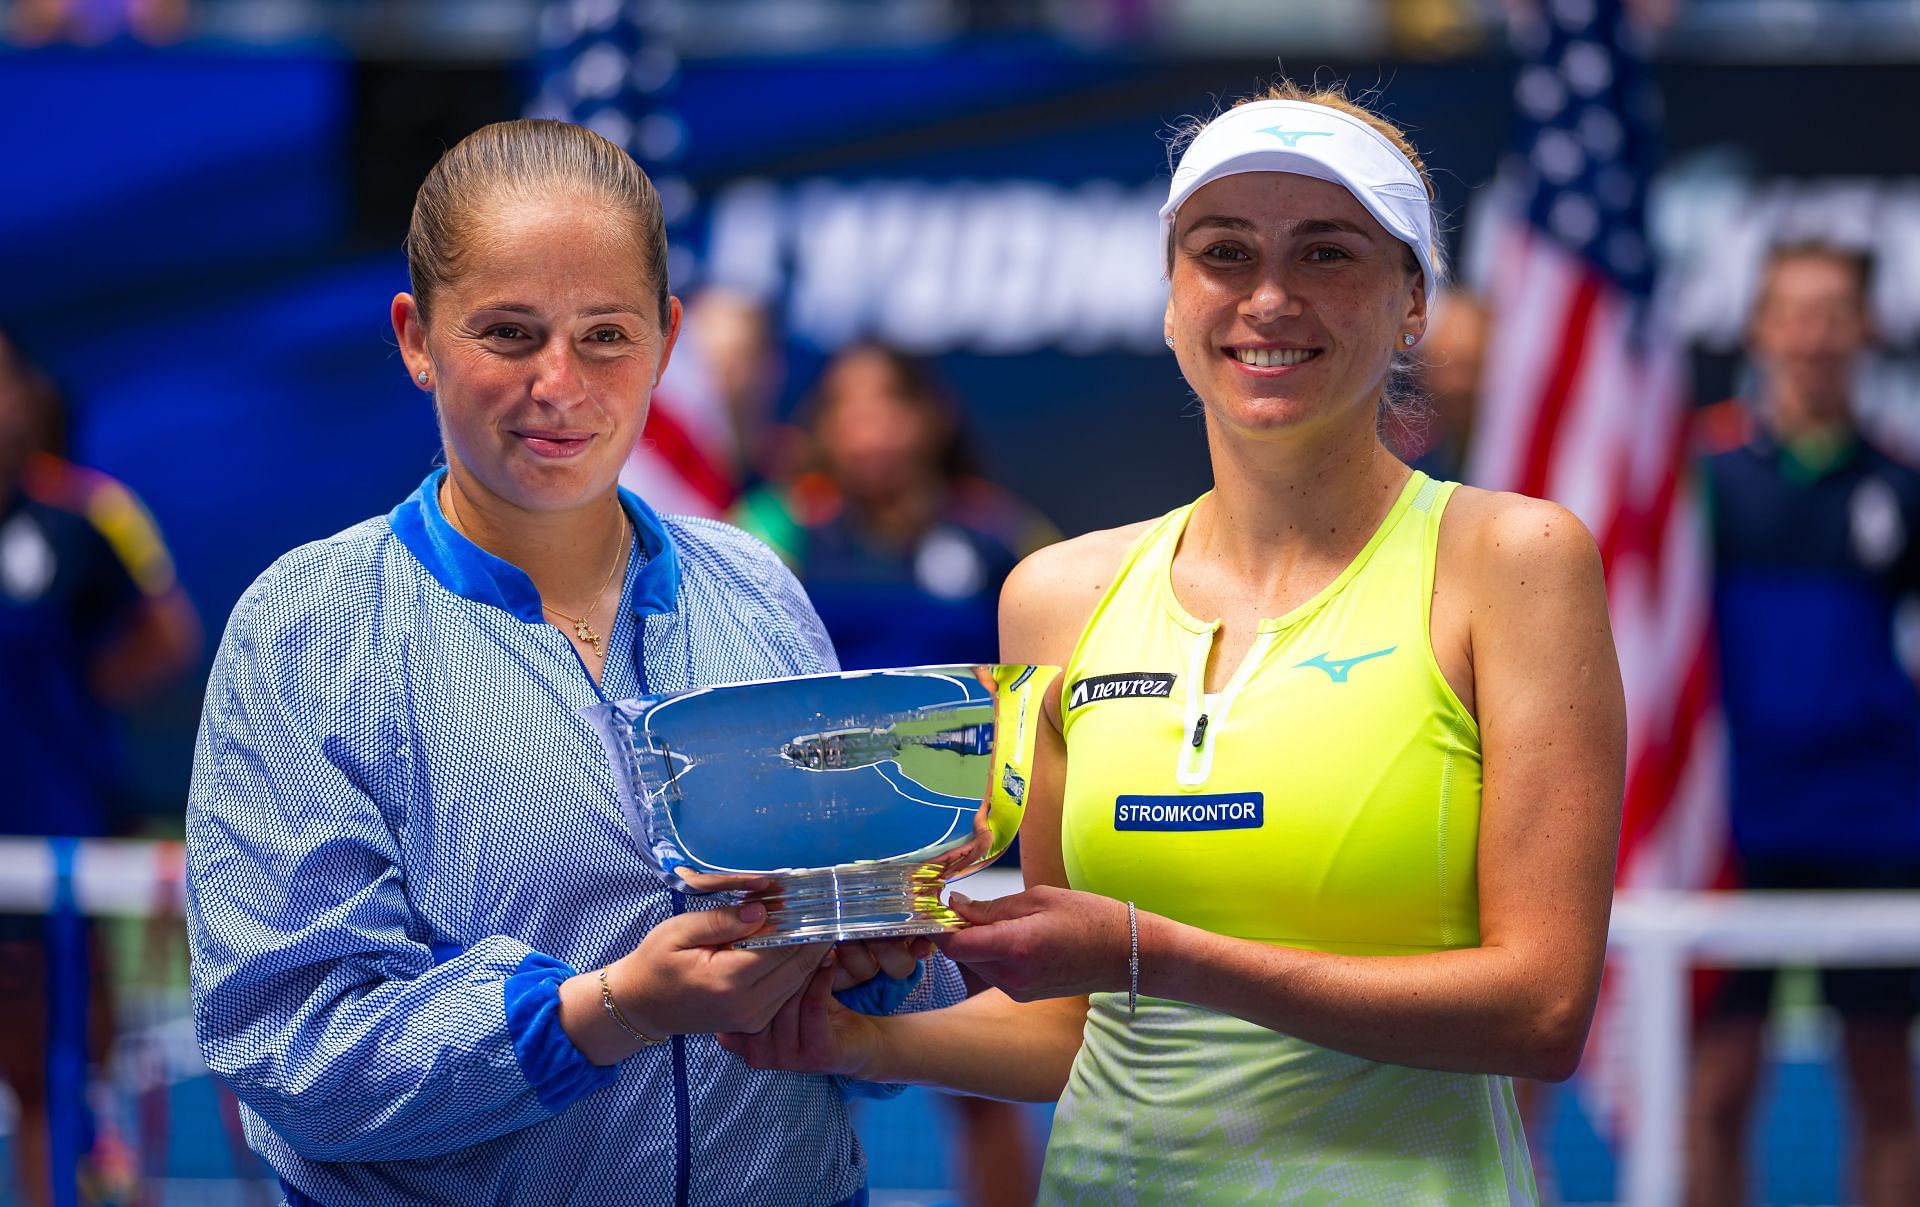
(1320, 841)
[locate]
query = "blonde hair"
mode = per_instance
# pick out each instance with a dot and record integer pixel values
(524, 160)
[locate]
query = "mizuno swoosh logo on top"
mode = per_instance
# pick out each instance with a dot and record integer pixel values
(1338, 668)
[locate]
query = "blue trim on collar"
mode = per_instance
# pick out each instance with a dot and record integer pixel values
(656, 587)
(469, 571)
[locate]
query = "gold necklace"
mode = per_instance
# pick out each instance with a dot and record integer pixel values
(581, 628)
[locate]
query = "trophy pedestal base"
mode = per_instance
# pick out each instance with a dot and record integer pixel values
(880, 901)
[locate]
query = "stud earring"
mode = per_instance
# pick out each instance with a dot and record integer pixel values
(422, 374)
(1408, 340)
(1169, 340)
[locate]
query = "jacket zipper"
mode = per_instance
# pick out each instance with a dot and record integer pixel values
(682, 1108)
(682, 1104)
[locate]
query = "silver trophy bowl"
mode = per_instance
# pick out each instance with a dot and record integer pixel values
(846, 802)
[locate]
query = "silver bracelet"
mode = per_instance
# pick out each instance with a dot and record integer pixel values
(613, 1012)
(1133, 959)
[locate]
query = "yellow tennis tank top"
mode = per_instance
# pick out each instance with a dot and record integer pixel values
(1328, 798)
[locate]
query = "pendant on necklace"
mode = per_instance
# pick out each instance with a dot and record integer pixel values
(584, 632)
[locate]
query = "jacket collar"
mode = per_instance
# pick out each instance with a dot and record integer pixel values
(467, 570)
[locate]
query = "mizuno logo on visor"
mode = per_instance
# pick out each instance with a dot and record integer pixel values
(1292, 137)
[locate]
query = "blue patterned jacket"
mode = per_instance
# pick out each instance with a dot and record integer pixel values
(402, 837)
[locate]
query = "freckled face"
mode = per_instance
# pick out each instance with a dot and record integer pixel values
(1288, 300)
(543, 352)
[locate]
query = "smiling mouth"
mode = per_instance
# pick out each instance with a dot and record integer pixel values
(1273, 358)
(552, 444)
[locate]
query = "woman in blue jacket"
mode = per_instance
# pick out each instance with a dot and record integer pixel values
(426, 954)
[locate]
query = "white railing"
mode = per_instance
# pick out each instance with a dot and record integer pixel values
(1658, 937)
(1655, 940)
(109, 877)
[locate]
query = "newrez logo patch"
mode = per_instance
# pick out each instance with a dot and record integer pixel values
(1132, 685)
(1219, 811)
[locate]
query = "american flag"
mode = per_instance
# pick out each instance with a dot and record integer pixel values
(610, 66)
(1585, 402)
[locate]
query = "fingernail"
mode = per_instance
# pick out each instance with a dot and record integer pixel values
(753, 911)
(959, 899)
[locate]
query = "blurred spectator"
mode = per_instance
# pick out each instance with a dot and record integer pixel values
(90, 22)
(903, 551)
(711, 434)
(90, 619)
(742, 355)
(1449, 362)
(1813, 538)
(901, 546)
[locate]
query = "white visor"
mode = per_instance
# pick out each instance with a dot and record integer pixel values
(1326, 144)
